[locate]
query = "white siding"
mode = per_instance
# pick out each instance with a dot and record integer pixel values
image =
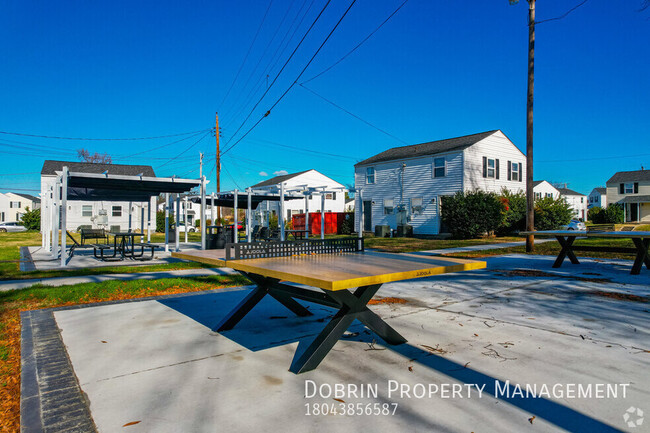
(418, 183)
(545, 189)
(578, 204)
(14, 214)
(597, 199)
(496, 146)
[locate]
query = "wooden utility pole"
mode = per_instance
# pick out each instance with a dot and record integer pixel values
(216, 133)
(530, 197)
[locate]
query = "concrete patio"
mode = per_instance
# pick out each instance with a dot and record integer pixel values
(155, 365)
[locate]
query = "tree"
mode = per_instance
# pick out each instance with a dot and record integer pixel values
(552, 213)
(160, 221)
(31, 219)
(95, 158)
(472, 214)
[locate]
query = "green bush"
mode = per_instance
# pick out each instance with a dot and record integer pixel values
(550, 213)
(472, 214)
(273, 221)
(160, 221)
(614, 214)
(31, 219)
(596, 215)
(347, 227)
(514, 212)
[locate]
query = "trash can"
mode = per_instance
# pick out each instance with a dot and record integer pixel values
(404, 231)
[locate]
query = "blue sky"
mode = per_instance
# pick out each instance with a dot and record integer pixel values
(436, 70)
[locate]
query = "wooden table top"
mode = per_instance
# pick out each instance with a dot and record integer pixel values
(588, 234)
(339, 271)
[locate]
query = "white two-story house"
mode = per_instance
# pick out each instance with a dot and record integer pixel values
(411, 179)
(543, 189)
(598, 198)
(13, 205)
(577, 201)
(631, 189)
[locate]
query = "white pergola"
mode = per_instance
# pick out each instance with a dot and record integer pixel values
(106, 186)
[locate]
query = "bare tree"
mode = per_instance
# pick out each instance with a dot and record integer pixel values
(96, 158)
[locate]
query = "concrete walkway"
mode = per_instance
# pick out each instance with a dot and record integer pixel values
(65, 281)
(479, 247)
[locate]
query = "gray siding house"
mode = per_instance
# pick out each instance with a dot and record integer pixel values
(631, 189)
(414, 177)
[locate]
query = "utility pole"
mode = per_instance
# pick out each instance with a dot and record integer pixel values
(530, 197)
(200, 165)
(218, 168)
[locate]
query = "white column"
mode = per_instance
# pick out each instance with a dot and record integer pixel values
(177, 215)
(142, 221)
(281, 216)
(64, 213)
(307, 216)
(130, 216)
(186, 228)
(322, 215)
(48, 227)
(150, 206)
(203, 212)
(55, 221)
(166, 222)
(360, 210)
(249, 234)
(213, 210)
(234, 227)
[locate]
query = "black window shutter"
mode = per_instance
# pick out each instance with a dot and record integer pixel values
(621, 188)
(485, 166)
(497, 169)
(509, 170)
(636, 187)
(521, 172)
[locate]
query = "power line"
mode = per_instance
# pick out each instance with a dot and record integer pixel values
(247, 53)
(19, 174)
(187, 149)
(307, 150)
(353, 115)
(563, 15)
(281, 70)
(101, 139)
(358, 45)
(159, 147)
(296, 80)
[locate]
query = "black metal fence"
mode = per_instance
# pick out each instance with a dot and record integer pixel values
(258, 250)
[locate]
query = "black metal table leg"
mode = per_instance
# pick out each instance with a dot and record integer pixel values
(641, 255)
(381, 328)
(238, 313)
(566, 244)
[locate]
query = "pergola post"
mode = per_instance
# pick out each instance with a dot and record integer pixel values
(48, 228)
(177, 216)
(203, 212)
(55, 221)
(281, 215)
(212, 210)
(322, 215)
(130, 215)
(360, 210)
(149, 207)
(185, 218)
(64, 212)
(141, 221)
(307, 216)
(249, 235)
(166, 222)
(235, 234)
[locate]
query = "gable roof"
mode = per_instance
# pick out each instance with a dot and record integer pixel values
(278, 179)
(567, 191)
(28, 197)
(51, 167)
(630, 176)
(537, 182)
(430, 148)
(600, 190)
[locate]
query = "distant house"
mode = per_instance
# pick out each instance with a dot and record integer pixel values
(411, 179)
(13, 205)
(334, 201)
(598, 198)
(543, 189)
(349, 205)
(631, 189)
(94, 214)
(577, 201)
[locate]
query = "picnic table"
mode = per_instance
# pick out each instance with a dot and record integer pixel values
(346, 275)
(297, 234)
(124, 245)
(566, 238)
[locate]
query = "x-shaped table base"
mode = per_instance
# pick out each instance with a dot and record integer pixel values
(642, 255)
(351, 305)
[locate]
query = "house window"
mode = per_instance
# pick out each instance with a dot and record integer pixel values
(439, 166)
(516, 171)
(629, 188)
(388, 206)
(538, 195)
(582, 199)
(14, 205)
(117, 211)
(330, 196)
(370, 175)
(86, 210)
(548, 195)
(2, 216)
(416, 205)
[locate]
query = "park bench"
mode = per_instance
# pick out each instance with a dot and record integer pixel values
(142, 246)
(93, 234)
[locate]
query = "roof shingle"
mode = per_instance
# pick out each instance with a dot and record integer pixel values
(630, 176)
(278, 179)
(51, 167)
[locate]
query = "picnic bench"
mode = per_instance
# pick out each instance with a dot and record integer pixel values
(566, 238)
(99, 234)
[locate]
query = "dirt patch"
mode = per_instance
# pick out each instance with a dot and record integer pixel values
(619, 296)
(387, 300)
(536, 273)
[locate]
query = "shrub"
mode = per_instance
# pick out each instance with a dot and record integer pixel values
(469, 215)
(347, 227)
(160, 221)
(596, 215)
(273, 221)
(550, 213)
(31, 219)
(514, 212)
(614, 214)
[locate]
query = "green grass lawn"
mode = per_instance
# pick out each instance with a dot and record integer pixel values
(405, 245)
